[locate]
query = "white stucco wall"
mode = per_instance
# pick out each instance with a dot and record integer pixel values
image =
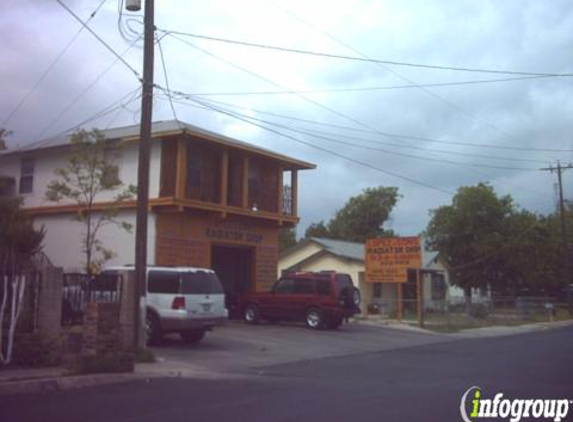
(62, 243)
(47, 161)
(287, 261)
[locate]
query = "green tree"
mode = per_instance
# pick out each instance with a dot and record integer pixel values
(19, 242)
(91, 171)
(287, 239)
(471, 235)
(317, 230)
(361, 218)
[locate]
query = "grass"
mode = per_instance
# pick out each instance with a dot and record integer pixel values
(453, 322)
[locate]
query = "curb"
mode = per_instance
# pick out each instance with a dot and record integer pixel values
(42, 385)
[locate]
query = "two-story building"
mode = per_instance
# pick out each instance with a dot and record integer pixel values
(214, 202)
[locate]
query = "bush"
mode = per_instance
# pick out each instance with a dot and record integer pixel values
(33, 350)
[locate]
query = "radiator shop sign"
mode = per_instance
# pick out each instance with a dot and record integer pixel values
(388, 259)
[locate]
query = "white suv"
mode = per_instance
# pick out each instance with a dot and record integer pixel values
(186, 300)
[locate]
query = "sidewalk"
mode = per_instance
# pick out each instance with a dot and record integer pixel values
(38, 380)
(481, 332)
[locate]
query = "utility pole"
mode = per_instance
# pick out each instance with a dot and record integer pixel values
(143, 170)
(565, 254)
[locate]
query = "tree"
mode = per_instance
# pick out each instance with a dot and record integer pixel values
(471, 236)
(317, 230)
(90, 173)
(4, 133)
(361, 218)
(287, 239)
(19, 242)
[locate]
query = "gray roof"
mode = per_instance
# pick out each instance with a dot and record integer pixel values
(158, 128)
(350, 250)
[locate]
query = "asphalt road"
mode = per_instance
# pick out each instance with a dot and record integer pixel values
(415, 383)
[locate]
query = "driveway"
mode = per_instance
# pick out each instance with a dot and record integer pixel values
(238, 347)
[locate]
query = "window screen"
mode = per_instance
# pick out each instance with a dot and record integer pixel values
(163, 282)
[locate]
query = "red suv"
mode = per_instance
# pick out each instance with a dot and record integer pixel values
(321, 299)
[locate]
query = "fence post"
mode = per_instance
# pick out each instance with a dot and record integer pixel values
(420, 295)
(50, 303)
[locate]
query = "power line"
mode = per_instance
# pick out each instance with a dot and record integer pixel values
(390, 134)
(364, 89)
(50, 67)
(167, 81)
(425, 90)
(106, 45)
(328, 135)
(356, 121)
(84, 92)
(99, 114)
(362, 59)
(338, 141)
(329, 151)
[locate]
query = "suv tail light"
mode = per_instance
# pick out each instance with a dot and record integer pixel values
(178, 303)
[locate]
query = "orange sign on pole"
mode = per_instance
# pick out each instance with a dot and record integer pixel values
(388, 259)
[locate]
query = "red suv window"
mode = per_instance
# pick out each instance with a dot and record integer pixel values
(303, 287)
(323, 287)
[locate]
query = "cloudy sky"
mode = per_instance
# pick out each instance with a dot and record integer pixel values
(364, 123)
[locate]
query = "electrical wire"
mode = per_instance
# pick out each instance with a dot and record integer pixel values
(84, 92)
(105, 44)
(167, 81)
(328, 151)
(118, 104)
(330, 135)
(366, 89)
(50, 67)
(362, 59)
(390, 134)
(385, 151)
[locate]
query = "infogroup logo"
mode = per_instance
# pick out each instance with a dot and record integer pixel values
(514, 409)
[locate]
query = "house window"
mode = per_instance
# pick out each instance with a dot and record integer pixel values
(111, 175)
(438, 287)
(26, 175)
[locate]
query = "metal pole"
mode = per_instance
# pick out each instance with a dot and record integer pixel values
(143, 173)
(420, 298)
(565, 241)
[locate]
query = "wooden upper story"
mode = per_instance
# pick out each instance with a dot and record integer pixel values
(190, 168)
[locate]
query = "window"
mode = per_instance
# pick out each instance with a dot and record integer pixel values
(285, 285)
(163, 282)
(110, 176)
(438, 287)
(26, 175)
(303, 287)
(323, 287)
(201, 282)
(194, 164)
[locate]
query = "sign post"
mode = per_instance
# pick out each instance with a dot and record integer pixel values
(420, 295)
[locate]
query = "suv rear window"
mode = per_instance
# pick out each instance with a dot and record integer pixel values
(163, 282)
(201, 282)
